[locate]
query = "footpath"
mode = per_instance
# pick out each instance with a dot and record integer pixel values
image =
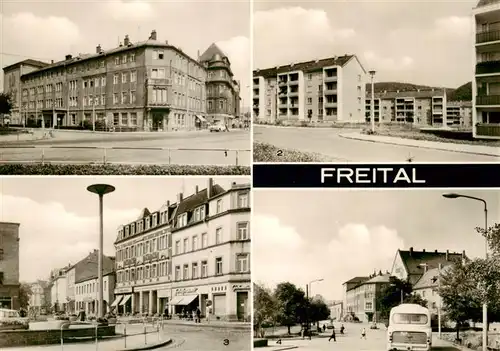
(424, 144)
(180, 322)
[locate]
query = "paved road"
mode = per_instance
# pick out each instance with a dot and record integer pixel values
(200, 141)
(327, 141)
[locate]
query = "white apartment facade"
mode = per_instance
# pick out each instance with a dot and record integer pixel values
(86, 294)
(486, 82)
(37, 298)
(320, 91)
(59, 289)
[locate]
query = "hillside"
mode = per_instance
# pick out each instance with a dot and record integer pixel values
(462, 93)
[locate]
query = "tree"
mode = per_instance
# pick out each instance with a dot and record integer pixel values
(5, 103)
(391, 296)
(417, 300)
(319, 311)
(24, 295)
(291, 303)
(264, 306)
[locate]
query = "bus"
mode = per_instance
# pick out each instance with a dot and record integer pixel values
(409, 328)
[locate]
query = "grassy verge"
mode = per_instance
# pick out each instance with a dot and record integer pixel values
(51, 169)
(417, 135)
(470, 339)
(263, 152)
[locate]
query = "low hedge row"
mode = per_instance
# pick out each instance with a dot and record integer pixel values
(263, 152)
(110, 169)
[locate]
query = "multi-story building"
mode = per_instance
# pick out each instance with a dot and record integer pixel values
(190, 254)
(459, 114)
(144, 86)
(223, 92)
(336, 310)
(9, 265)
(417, 107)
(38, 298)
(59, 289)
(12, 84)
(361, 295)
(327, 90)
(486, 82)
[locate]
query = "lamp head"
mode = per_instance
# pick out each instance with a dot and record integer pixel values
(372, 73)
(451, 195)
(101, 189)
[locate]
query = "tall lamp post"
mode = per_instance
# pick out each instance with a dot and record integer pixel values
(372, 102)
(307, 296)
(485, 304)
(101, 190)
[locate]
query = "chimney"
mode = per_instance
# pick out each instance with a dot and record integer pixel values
(180, 196)
(233, 183)
(121, 44)
(69, 57)
(168, 203)
(166, 42)
(436, 251)
(51, 61)
(126, 41)
(196, 190)
(98, 49)
(198, 55)
(411, 251)
(423, 250)
(447, 254)
(463, 255)
(153, 35)
(209, 187)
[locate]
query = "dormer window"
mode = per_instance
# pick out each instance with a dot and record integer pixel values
(182, 220)
(127, 231)
(147, 223)
(243, 200)
(132, 229)
(219, 206)
(139, 227)
(155, 217)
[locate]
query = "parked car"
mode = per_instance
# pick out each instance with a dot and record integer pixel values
(217, 127)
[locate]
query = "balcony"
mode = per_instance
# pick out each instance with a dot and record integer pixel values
(282, 83)
(293, 82)
(331, 92)
(488, 130)
(489, 36)
(256, 86)
(283, 93)
(488, 100)
(331, 78)
(293, 93)
(283, 106)
(330, 104)
(488, 67)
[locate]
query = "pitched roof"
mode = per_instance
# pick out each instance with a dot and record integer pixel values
(486, 2)
(308, 66)
(379, 279)
(198, 199)
(419, 94)
(430, 278)
(211, 52)
(356, 280)
(87, 268)
(144, 213)
(29, 62)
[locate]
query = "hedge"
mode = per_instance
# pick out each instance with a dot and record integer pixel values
(263, 152)
(53, 169)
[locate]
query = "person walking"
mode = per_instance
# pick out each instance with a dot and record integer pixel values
(363, 333)
(333, 335)
(342, 328)
(198, 315)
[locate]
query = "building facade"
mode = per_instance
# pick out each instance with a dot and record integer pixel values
(459, 114)
(336, 310)
(328, 90)
(86, 292)
(486, 82)
(143, 86)
(38, 298)
(223, 92)
(59, 289)
(190, 254)
(9, 265)
(426, 108)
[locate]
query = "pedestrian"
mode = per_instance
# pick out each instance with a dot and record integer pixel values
(324, 328)
(363, 333)
(333, 336)
(198, 314)
(342, 329)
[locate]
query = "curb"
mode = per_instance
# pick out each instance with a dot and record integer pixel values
(287, 348)
(150, 347)
(419, 147)
(218, 326)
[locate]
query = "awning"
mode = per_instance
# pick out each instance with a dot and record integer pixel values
(186, 300)
(117, 301)
(201, 118)
(176, 300)
(125, 299)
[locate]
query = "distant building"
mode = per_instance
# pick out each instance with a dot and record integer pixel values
(59, 289)
(427, 286)
(327, 90)
(486, 82)
(40, 295)
(336, 310)
(459, 114)
(417, 107)
(9, 265)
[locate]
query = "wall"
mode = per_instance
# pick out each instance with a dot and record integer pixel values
(398, 269)
(351, 99)
(9, 243)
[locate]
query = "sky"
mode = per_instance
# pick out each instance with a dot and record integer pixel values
(60, 220)
(420, 42)
(46, 30)
(334, 235)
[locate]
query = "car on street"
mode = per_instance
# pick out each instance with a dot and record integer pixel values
(217, 126)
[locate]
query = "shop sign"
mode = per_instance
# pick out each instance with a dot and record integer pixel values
(151, 256)
(127, 290)
(185, 291)
(244, 287)
(130, 261)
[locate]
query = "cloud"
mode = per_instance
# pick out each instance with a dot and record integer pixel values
(454, 25)
(135, 10)
(284, 35)
(238, 51)
(281, 254)
(380, 63)
(52, 237)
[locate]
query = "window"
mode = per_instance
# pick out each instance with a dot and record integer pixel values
(133, 76)
(218, 266)
(115, 100)
(368, 306)
(103, 81)
(219, 206)
(218, 236)
(204, 269)
(186, 245)
(117, 60)
(124, 97)
(182, 220)
(243, 231)
(242, 263)
(185, 272)
(177, 247)
(132, 97)
(195, 243)
(115, 79)
(124, 77)
(194, 269)
(132, 57)
(204, 240)
(242, 200)
(124, 59)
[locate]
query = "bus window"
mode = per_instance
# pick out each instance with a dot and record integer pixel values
(409, 318)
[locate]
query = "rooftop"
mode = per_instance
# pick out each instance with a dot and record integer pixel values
(414, 260)
(28, 62)
(430, 278)
(211, 52)
(482, 3)
(406, 94)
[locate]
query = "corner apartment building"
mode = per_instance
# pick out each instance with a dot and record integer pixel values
(360, 296)
(418, 107)
(12, 85)
(459, 114)
(191, 253)
(143, 86)
(327, 90)
(486, 82)
(9, 265)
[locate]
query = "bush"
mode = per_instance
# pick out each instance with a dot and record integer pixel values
(55, 169)
(263, 152)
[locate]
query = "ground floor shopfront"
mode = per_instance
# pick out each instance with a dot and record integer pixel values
(9, 297)
(91, 306)
(226, 301)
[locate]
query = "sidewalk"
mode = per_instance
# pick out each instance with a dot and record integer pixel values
(423, 144)
(204, 323)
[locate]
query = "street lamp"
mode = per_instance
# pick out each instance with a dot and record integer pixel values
(307, 297)
(101, 190)
(372, 102)
(485, 304)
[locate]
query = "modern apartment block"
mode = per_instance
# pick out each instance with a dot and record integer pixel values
(9, 265)
(486, 82)
(327, 90)
(143, 86)
(190, 254)
(418, 107)
(459, 114)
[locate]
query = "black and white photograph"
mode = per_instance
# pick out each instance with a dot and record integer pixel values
(125, 263)
(376, 81)
(376, 270)
(125, 87)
